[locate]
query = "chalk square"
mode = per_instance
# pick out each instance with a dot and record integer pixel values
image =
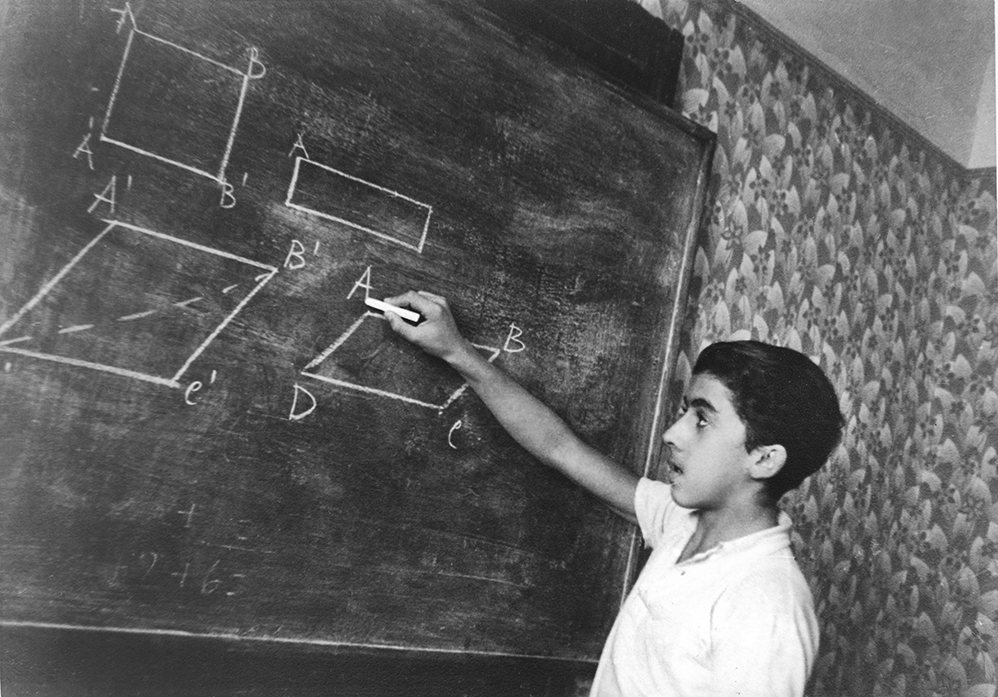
(174, 105)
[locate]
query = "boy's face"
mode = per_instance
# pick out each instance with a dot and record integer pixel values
(706, 447)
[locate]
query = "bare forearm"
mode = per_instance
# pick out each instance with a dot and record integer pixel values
(531, 423)
(544, 434)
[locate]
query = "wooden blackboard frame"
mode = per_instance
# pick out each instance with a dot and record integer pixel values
(632, 50)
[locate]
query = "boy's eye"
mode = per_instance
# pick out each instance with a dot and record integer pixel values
(701, 417)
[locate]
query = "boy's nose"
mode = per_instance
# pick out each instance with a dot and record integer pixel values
(668, 436)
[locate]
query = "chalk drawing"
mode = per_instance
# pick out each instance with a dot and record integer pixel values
(450, 434)
(140, 41)
(84, 148)
(112, 272)
(108, 195)
(191, 389)
(326, 362)
(331, 194)
(189, 514)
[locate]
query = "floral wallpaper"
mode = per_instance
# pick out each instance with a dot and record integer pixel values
(836, 231)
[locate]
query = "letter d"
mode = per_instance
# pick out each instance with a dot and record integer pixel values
(295, 415)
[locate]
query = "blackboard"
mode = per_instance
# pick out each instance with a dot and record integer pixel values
(203, 432)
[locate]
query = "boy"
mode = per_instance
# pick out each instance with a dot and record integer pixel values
(721, 607)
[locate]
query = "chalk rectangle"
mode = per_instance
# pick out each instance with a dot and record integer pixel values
(334, 195)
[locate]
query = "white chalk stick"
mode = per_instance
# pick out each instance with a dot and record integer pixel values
(408, 315)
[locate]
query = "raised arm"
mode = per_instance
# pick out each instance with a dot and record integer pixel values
(531, 423)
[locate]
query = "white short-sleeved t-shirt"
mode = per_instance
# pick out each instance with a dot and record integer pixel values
(735, 620)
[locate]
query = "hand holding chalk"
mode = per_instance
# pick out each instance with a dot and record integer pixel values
(384, 307)
(437, 334)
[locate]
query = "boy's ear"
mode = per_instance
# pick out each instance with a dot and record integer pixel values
(767, 461)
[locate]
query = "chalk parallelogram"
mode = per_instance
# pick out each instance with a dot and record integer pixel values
(334, 195)
(368, 359)
(136, 303)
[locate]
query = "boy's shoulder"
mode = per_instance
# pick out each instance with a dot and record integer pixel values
(658, 515)
(773, 581)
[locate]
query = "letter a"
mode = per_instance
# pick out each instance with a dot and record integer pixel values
(107, 196)
(363, 282)
(84, 147)
(299, 146)
(126, 13)
(296, 415)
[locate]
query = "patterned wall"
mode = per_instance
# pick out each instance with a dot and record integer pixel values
(840, 233)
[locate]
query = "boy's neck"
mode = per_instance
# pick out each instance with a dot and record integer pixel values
(717, 526)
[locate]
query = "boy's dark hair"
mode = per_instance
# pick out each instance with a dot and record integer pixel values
(784, 399)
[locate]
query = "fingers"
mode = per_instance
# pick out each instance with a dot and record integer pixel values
(400, 326)
(431, 306)
(437, 333)
(433, 296)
